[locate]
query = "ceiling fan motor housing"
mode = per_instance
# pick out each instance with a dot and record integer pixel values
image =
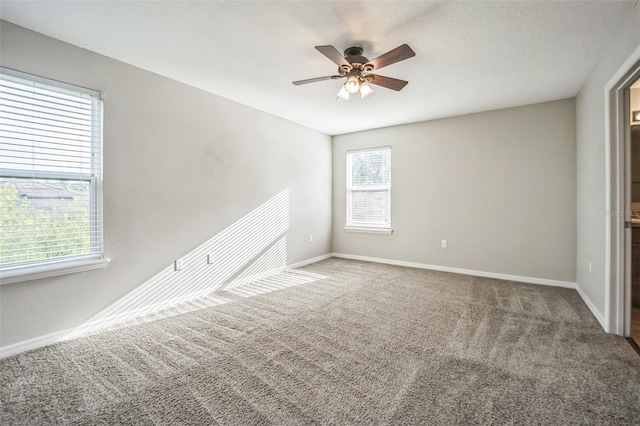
(353, 55)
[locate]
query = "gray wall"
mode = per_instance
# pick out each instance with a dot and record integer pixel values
(180, 166)
(590, 134)
(499, 186)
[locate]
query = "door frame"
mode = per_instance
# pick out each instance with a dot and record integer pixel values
(617, 314)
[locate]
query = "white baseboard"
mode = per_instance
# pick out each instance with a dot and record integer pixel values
(66, 334)
(99, 324)
(254, 277)
(27, 345)
(72, 333)
(518, 278)
(310, 261)
(596, 313)
(543, 281)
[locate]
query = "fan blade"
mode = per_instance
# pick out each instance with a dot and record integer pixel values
(388, 82)
(398, 54)
(331, 53)
(313, 80)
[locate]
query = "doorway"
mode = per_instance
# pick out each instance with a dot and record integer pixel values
(634, 175)
(621, 219)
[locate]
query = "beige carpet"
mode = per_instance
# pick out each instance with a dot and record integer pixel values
(368, 344)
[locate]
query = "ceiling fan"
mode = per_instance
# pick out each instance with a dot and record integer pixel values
(358, 70)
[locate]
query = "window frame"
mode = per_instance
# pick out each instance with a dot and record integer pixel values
(350, 189)
(42, 268)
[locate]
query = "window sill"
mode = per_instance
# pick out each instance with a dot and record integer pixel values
(27, 273)
(368, 230)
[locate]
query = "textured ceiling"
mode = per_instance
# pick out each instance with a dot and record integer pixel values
(470, 56)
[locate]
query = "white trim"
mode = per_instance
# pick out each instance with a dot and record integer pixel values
(349, 191)
(37, 342)
(251, 278)
(499, 276)
(48, 81)
(614, 199)
(51, 270)
(81, 330)
(368, 230)
(91, 326)
(592, 307)
(310, 261)
(375, 148)
(12, 272)
(98, 324)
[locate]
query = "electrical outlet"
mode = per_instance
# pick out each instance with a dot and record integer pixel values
(444, 244)
(178, 265)
(590, 269)
(310, 238)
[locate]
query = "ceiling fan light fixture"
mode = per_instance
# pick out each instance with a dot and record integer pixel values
(352, 85)
(365, 90)
(343, 93)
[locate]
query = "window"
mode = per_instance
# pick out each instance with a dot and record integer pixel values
(369, 190)
(50, 177)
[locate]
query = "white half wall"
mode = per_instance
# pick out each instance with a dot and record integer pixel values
(186, 173)
(499, 186)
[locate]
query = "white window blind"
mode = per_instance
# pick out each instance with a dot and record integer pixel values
(369, 188)
(50, 172)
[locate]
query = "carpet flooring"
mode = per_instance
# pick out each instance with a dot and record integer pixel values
(341, 342)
